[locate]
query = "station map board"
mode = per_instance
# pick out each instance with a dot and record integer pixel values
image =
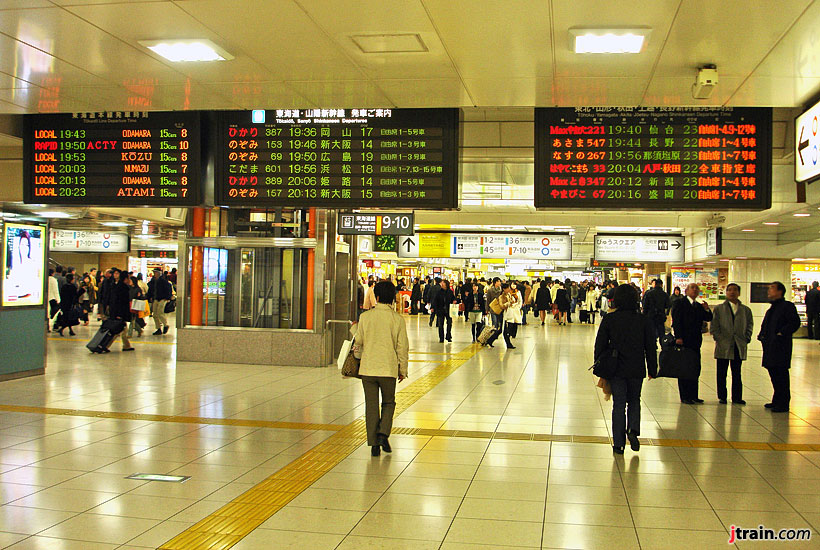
(123, 159)
(555, 246)
(338, 158)
(654, 158)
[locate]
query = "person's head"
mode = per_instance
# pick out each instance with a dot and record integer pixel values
(50, 272)
(657, 283)
(692, 290)
(72, 270)
(544, 284)
(438, 280)
(87, 278)
(676, 292)
(777, 290)
(385, 292)
(116, 273)
(69, 278)
(107, 273)
(130, 281)
(444, 283)
(815, 284)
(174, 270)
(92, 271)
(625, 298)
(139, 276)
(58, 269)
(475, 287)
(574, 283)
(371, 282)
(732, 292)
(497, 282)
(157, 272)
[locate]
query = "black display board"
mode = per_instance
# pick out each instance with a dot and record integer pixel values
(338, 158)
(113, 159)
(653, 158)
(759, 293)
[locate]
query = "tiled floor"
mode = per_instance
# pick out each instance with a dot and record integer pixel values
(62, 476)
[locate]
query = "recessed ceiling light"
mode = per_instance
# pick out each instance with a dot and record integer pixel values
(390, 43)
(54, 214)
(608, 40)
(179, 51)
(747, 230)
(802, 215)
(115, 224)
(771, 223)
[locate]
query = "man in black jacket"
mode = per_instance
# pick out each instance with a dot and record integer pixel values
(160, 292)
(780, 322)
(656, 307)
(431, 290)
(813, 310)
(104, 295)
(688, 316)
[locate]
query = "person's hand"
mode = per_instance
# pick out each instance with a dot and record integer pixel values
(705, 306)
(401, 377)
(679, 341)
(650, 377)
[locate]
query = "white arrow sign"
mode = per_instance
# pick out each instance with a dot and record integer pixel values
(806, 144)
(639, 248)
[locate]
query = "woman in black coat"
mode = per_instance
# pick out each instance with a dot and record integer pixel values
(441, 305)
(120, 308)
(563, 304)
(415, 297)
(543, 301)
(632, 337)
(69, 297)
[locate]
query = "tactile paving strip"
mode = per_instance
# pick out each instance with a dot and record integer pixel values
(228, 525)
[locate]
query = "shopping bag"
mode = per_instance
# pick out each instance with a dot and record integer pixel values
(138, 306)
(453, 310)
(496, 307)
(679, 362)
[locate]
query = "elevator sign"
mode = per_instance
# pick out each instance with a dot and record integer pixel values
(806, 145)
(475, 246)
(639, 248)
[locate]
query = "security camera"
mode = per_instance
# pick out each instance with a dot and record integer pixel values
(705, 82)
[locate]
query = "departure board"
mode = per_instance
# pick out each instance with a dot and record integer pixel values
(338, 158)
(661, 158)
(113, 159)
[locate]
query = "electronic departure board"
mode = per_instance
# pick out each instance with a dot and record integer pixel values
(338, 158)
(661, 158)
(113, 158)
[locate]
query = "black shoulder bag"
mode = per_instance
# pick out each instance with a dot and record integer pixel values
(606, 364)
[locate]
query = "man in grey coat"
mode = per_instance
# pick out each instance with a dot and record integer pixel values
(731, 328)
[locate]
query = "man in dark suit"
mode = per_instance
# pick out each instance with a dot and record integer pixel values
(813, 310)
(656, 306)
(688, 316)
(780, 322)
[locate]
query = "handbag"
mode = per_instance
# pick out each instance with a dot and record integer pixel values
(138, 306)
(605, 364)
(171, 306)
(347, 362)
(496, 307)
(454, 310)
(679, 362)
(461, 307)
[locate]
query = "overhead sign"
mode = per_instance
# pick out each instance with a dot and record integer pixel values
(639, 248)
(112, 158)
(61, 240)
(487, 245)
(338, 158)
(714, 241)
(653, 158)
(363, 223)
(806, 144)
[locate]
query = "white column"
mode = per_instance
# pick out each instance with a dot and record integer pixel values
(745, 272)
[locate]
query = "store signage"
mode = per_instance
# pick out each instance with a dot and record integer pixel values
(639, 248)
(714, 241)
(806, 144)
(23, 264)
(475, 246)
(338, 158)
(653, 158)
(61, 240)
(113, 159)
(170, 254)
(620, 265)
(363, 223)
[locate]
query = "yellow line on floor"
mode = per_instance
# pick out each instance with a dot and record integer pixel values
(231, 523)
(169, 418)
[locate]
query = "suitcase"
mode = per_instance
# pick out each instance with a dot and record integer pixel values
(583, 317)
(103, 338)
(486, 333)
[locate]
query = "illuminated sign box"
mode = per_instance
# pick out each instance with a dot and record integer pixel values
(366, 223)
(653, 158)
(806, 144)
(112, 159)
(502, 246)
(23, 264)
(639, 248)
(338, 158)
(61, 240)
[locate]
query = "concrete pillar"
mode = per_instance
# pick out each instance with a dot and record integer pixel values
(745, 272)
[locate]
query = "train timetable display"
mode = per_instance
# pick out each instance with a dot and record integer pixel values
(662, 158)
(338, 158)
(113, 158)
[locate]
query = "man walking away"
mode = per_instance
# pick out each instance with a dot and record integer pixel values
(656, 306)
(160, 292)
(688, 317)
(731, 328)
(813, 311)
(779, 324)
(433, 289)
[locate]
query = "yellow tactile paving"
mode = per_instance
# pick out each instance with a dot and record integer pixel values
(252, 508)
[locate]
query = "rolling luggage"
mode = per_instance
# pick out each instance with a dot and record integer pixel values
(488, 335)
(583, 317)
(103, 338)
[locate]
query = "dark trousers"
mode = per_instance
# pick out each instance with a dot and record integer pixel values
(440, 324)
(688, 389)
(737, 383)
(660, 328)
(510, 332)
(378, 422)
(432, 316)
(780, 382)
(814, 325)
(626, 408)
(497, 319)
(414, 307)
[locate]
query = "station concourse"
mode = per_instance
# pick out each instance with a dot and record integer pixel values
(226, 191)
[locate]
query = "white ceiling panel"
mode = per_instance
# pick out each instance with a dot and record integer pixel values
(509, 92)
(775, 91)
(278, 34)
(655, 14)
(186, 97)
(576, 92)
(426, 93)
(24, 4)
(488, 39)
(32, 65)
(259, 95)
(347, 94)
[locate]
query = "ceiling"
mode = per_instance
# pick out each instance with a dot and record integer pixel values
(74, 55)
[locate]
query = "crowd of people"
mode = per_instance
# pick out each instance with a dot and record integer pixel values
(633, 325)
(111, 294)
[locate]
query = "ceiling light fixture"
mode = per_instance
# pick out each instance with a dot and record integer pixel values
(771, 223)
(802, 215)
(747, 230)
(115, 224)
(605, 41)
(54, 214)
(183, 51)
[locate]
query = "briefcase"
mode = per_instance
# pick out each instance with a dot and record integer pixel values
(679, 362)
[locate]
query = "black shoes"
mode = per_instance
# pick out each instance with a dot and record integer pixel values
(780, 409)
(722, 401)
(128, 349)
(449, 338)
(738, 402)
(696, 400)
(617, 450)
(385, 444)
(634, 444)
(158, 332)
(375, 450)
(687, 401)
(769, 405)
(510, 346)
(165, 330)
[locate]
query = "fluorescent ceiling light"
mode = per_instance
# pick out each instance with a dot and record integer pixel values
(180, 51)
(747, 230)
(802, 215)
(771, 223)
(54, 214)
(115, 224)
(608, 40)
